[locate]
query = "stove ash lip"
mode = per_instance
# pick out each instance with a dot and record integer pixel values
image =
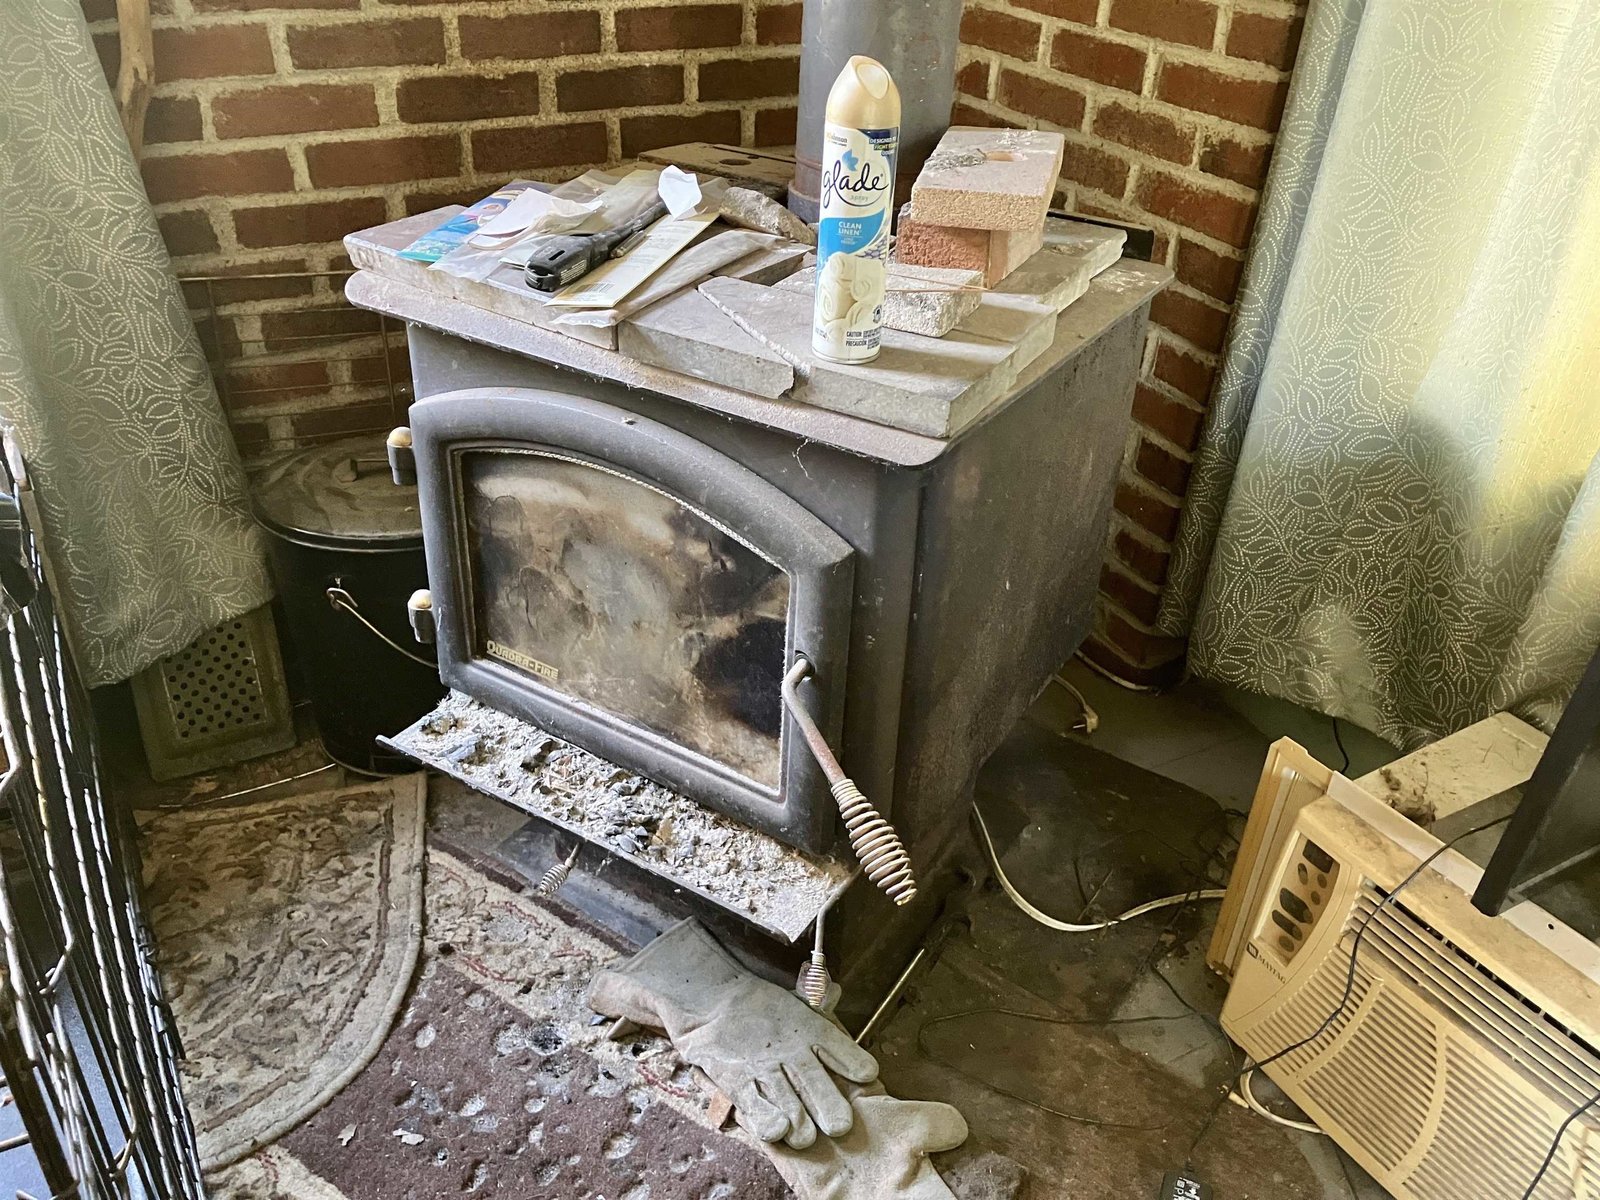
(819, 565)
(774, 886)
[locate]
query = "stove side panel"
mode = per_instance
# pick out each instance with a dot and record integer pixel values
(1013, 530)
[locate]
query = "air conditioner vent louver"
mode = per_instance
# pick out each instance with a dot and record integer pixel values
(1388, 1049)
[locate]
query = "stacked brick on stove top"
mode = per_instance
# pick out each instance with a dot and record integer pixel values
(980, 202)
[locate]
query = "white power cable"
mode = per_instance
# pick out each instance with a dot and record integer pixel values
(1245, 1098)
(1050, 922)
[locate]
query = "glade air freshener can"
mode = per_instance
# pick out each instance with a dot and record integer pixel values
(860, 138)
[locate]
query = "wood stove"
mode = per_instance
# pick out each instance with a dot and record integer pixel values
(631, 560)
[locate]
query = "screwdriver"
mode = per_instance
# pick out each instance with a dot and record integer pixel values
(566, 257)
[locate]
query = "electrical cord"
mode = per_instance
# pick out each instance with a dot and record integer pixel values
(1555, 1143)
(1245, 1098)
(1338, 740)
(1050, 922)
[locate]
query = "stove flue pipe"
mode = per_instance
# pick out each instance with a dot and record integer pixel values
(916, 39)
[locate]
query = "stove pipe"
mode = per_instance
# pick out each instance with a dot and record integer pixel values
(916, 39)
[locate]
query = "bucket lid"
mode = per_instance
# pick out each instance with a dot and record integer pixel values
(340, 490)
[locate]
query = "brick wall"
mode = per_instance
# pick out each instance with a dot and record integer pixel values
(278, 126)
(1169, 109)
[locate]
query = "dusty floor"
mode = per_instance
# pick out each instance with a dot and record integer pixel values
(1094, 1060)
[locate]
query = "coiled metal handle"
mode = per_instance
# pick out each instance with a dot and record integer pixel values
(550, 882)
(883, 856)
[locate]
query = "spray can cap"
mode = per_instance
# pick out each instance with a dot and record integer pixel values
(864, 96)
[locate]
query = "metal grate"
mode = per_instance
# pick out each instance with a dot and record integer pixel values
(85, 1041)
(223, 699)
(214, 685)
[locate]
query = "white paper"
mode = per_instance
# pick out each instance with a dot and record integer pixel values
(680, 191)
(533, 210)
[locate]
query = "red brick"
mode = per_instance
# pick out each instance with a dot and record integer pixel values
(1162, 467)
(250, 437)
(618, 87)
(965, 114)
(1001, 32)
(1265, 39)
(530, 35)
(343, 418)
(1129, 594)
(1150, 512)
(188, 233)
(1257, 102)
(239, 173)
(307, 223)
(1146, 647)
(776, 126)
(1185, 372)
(427, 199)
(679, 28)
(1207, 271)
(371, 368)
(240, 6)
(473, 97)
(1084, 12)
(1061, 106)
(778, 24)
(1144, 560)
(241, 283)
(253, 384)
(308, 108)
(211, 52)
(1152, 133)
(408, 41)
(1090, 56)
(1155, 678)
(1094, 168)
(1203, 209)
(1187, 22)
(1174, 420)
(530, 149)
(647, 133)
(385, 160)
(173, 119)
(1190, 318)
(749, 79)
(1229, 158)
(304, 328)
(973, 79)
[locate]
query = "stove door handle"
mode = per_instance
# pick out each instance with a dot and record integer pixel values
(883, 856)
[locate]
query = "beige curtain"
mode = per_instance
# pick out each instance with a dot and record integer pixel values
(1395, 516)
(143, 500)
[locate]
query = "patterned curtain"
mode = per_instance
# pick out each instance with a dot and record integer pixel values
(146, 528)
(1395, 514)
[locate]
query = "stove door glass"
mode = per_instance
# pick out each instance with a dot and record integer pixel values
(608, 590)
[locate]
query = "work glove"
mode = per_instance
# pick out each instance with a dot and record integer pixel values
(883, 1157)
(759, 1043)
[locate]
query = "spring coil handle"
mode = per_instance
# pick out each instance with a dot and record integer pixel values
(883, 856)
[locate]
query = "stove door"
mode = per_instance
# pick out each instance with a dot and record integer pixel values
(636, 592)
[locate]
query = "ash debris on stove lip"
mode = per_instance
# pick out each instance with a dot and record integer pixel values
(627, 813)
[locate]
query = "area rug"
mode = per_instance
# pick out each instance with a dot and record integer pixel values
(496, 1082)
(288, 933)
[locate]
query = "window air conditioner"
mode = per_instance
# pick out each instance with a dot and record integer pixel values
(1465, 1041)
